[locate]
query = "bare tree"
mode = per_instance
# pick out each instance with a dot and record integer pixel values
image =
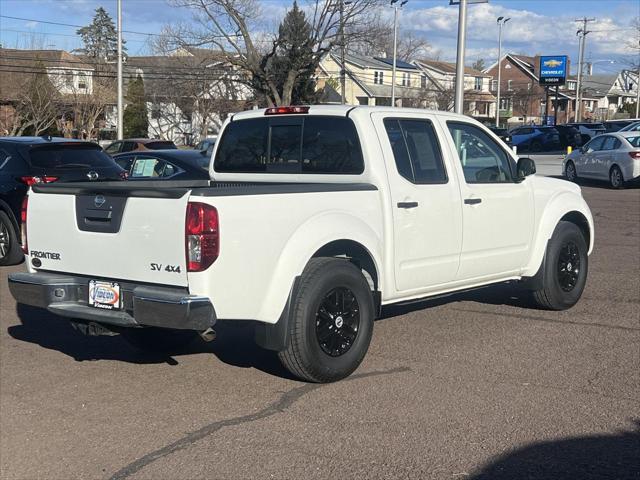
(87, 106)
(445, 98)
(38, 106)
(231, 27)
(522, 99)
(379, 42)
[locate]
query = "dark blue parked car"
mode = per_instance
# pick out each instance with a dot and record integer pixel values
(535, 138)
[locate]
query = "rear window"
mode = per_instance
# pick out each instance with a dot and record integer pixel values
(320, 144)
(10, 164)
(634, 141)
(69, 156)
(160, 146)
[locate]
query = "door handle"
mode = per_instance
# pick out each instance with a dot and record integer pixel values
(407, 204)
(472, 201)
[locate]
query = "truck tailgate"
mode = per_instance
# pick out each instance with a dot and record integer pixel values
(110, 235)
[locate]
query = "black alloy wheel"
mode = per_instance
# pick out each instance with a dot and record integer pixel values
(337, 321)
(568, 266)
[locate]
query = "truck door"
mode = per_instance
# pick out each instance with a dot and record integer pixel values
(497, 211)
(425, 201)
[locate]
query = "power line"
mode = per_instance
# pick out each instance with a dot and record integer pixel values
(72, 25)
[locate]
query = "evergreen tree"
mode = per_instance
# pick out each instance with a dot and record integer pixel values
(294, 62)
(135, 120)
(100, 39)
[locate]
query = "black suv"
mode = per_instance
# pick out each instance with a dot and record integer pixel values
(25, 161)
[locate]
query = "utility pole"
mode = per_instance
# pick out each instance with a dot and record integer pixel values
(501, 22)
(343, 79)
(638, 93)
(462, 36)
(583, 40)
(120, 102)
(395, 49)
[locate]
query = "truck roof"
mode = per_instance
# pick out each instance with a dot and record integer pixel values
(343, 111)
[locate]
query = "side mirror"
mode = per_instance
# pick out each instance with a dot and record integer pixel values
(526, 167)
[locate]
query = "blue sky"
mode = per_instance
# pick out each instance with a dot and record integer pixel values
(542, 26)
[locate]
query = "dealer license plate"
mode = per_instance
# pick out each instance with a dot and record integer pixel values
(105, 295)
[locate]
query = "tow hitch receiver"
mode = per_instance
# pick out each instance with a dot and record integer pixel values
(92, 329)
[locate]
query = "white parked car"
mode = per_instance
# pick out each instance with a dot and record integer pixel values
(614, 157)
(319, 216)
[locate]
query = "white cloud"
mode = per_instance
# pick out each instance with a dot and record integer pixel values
(32, 24)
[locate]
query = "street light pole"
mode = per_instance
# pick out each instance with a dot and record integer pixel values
(501, 22)
(583, 39)
(462, 34)
(638, 93)
(343, 80)
(395, 49)
(395, 53)
(120, 102)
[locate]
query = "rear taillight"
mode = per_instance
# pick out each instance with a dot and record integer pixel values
(23, 222)
(201, 236)
(635, 155)
(33, 180)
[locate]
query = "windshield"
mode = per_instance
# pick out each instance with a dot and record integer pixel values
(69, 156)
(161, 146)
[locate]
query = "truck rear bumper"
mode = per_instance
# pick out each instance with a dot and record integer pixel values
(143, 305)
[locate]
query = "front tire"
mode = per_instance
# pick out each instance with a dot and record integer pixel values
(616, 180)
(10, 251)
(565, 269)
(158, 340)
(331, 323)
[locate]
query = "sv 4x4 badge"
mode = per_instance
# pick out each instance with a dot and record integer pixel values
(157, 267)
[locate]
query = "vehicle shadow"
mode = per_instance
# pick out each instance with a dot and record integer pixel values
(592, 457)
(509, 293)
(234, 344)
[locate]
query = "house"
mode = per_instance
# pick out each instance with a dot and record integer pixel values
(368, 81)
(440, 81)
(48, 90)
(612, 92)
(189, 93)
(524, 100)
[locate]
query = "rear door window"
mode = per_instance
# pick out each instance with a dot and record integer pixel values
(113, 148)
(416, 150)
(595, 144)
(147, 167)
(128, 146)
(10, 163)
(69, 156)
(291, 144)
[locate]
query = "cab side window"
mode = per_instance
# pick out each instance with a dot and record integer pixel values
(113, 148)
(416, 150)
(482, 159)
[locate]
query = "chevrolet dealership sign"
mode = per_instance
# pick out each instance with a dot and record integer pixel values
(553, 70)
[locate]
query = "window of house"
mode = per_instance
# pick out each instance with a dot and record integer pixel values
(478, 83)
(482, 159)
(416, 150)
(494, 85)
(68, 78)
(423, 81)
(505, 104)
(378, 77)
(82, 81)
(156, 112)
(509, 85)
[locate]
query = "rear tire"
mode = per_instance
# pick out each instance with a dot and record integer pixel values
(158, 340)
(331, 322)
(10, 250)
(565, 269)
(616, 180)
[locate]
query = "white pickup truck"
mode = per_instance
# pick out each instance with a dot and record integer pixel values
(318, 217)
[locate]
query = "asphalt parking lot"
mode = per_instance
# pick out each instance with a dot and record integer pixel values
(477, 385)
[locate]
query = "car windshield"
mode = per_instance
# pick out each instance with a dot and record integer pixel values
(69, 156)
(634, 141)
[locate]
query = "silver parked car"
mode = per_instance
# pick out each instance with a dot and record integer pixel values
(634, 127)
(614, 157)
